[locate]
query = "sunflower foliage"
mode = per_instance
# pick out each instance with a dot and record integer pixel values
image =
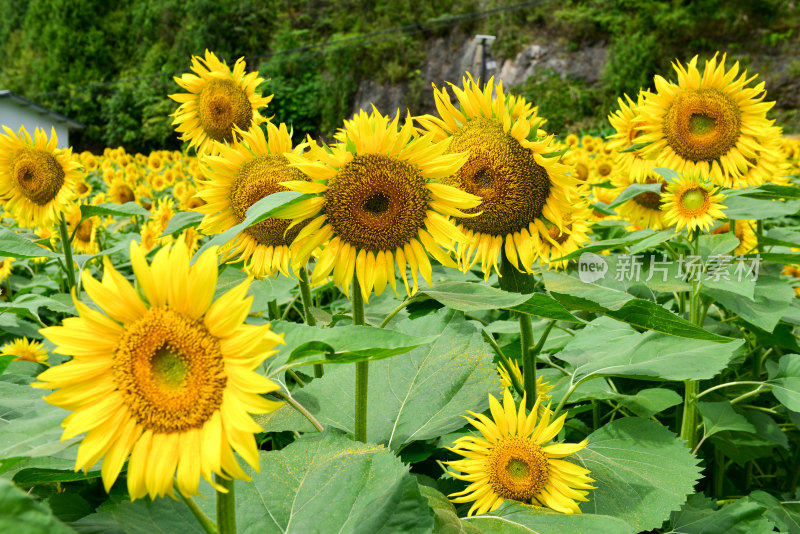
(561, 334)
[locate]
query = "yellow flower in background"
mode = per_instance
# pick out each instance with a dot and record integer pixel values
(645, 209)
(120, 192)
(82, 188)
(37, 180)
(84, 231)
(690, 203)
(217, 103)
(709, 122)
(166, 378)
(628, 131)
(5, 268)
(513, 460)
(22, 349)
(378, 202)
(744, 232)
(558, 242)
(506, 169)
(542, 387)
(238, 177)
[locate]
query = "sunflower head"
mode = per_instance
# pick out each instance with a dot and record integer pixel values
(378, 204)
(690, 202)
(22, 349)
(218, 102)
(711, 123)
(645, 210)
(509, 167)
(513, 459)
(37, 180)
(163, 375)
(241, 175)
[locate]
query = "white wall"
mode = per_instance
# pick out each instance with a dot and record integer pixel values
(13, 115)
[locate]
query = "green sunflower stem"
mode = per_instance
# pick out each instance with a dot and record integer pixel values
(689, 421)
(226, 506)
(66, 243)
(362, 368)
(528, 359)
(305, 294)
(272, 310)
(206, 523)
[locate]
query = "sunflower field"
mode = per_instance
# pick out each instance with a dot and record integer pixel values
(450, 323)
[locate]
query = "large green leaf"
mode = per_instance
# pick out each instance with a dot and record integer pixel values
(609, 348)
(575, 294)
(181, 221)
(700, 516)
(642, 472)
(19, 514)
(344, 344)
(771, 299)
(630, 239)
(469, 296)
(129, 209)
(720, 416)
(786, 381)
(649, 315)
(446, 521)
(740, 207)
(633, 191)
(786, 515)
(420, 395)
(517, 518)
(541, 305)
(16, 246)
(328, 483)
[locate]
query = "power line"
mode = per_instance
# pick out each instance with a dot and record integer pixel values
(318, 48)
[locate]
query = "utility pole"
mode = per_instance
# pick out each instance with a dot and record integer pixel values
(480, 54)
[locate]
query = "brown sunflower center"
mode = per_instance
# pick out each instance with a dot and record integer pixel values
(377, 202)
(170, 370)
(512, 186)
(84, 232)
(38, 175)
(517, 468)
(694, 202)
(83, 188)
(255, 180)
(650, 199)
(221, 105)
(702, 124)
(604, 169)
(558, 236)
(123, 194)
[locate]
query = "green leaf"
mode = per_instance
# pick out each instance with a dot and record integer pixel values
(633, 191)
(772, 191)
(715, 244)
(649, 315)
(16, 246)
(263, 209)
(35, 476)
(22, 515)
(517, 518)
(575, 294)
(668, 174)
(144, 516)
(741, 207)
(29, 304)
(181, 221)
(343, 344)
(771, 299)
(699, 516)
(541, 305)
(445, 520)
(786, 382)
(630, 239)
(720, 416)
(645, 403)
(469, 296)
(642, 472)
(418, 396)
(129, 209)
(785, 515)
(609, 348)
(328, 483)
(634, 147)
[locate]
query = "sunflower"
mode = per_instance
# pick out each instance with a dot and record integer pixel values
(166, 378)
(507, 169)
(748, 240)
(378, 203)
(710, 123)
(691, 203)
(218, 102)
(771, 165)
(37, 180)
(542, 387)
(82, 188)
(84, 231)
(512, 460)
(237, 178)
(628, 132)
(5, 268)
(645, 210)
(557, 242)
(22, 349)
(120, 192)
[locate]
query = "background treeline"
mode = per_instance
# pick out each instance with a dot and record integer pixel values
(69, 54)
